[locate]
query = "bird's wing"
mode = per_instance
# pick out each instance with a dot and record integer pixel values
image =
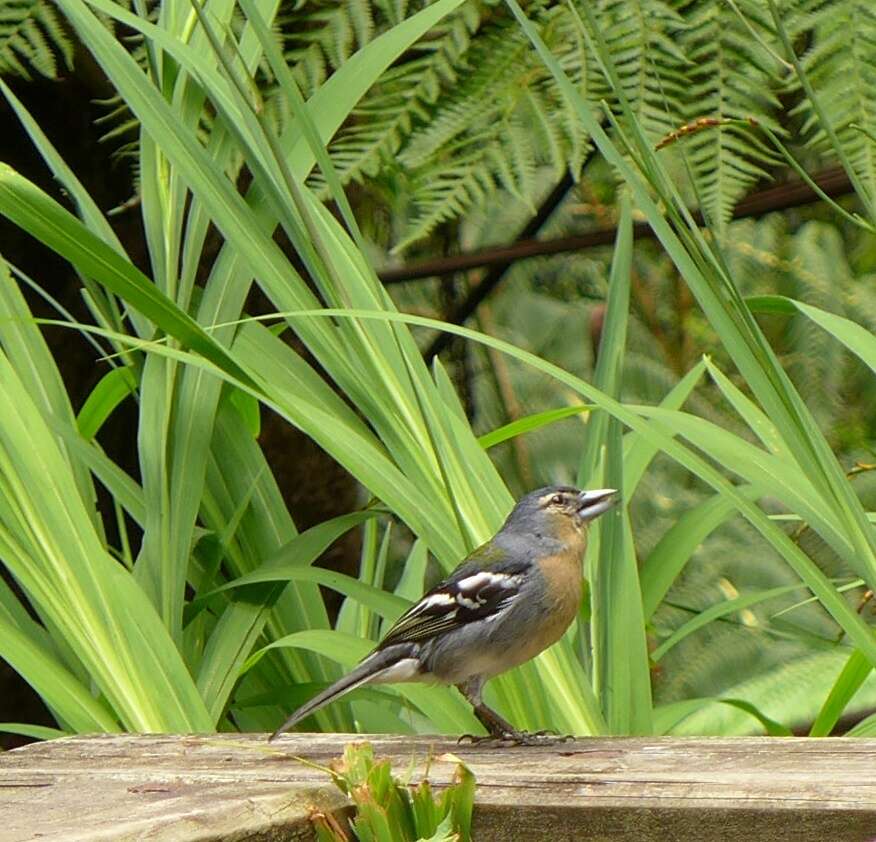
(473, 592)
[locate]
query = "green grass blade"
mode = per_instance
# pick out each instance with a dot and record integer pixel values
(667, 559)
(28, 207)
(865, 728)
(609, 361)
(773, 728)
(856, 338)
(716, 612)
(385, 604)
(30, 356)
(668, 717)
(757, 421)
(38, 732)
(848, 682)
(57, 687)
(530, 423)
(103, 399)
(620, 655)
(639, 452)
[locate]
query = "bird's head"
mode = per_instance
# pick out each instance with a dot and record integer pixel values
(554, 509)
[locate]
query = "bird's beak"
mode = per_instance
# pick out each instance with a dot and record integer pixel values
(594, 503)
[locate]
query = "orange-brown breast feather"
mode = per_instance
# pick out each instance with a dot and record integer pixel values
(563, 578)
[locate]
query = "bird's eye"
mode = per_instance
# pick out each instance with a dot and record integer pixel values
(557, 500)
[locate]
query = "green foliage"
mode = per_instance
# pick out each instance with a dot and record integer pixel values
(388, 810)
(462, 124)
(730, 76)
(647, 40)
(736, 498)
(841, 64)
(469, 116)
(32, 37)
(751, 652)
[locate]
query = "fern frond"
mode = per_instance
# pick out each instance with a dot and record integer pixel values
(318, 37)
(402, 101)
(642, 37)
(546, 134)
(841, 65)
(505, 112)
(31, 39)
(490, 83)
(445, 193)
(730, 76)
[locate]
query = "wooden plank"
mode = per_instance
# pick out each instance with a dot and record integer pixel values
(237, 787)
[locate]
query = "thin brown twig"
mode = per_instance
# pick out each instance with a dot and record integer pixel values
(832, 181)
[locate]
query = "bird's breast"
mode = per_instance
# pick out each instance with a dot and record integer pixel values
(562, 590)
(539, 620)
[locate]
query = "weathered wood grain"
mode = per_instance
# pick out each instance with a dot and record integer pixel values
(237, 787)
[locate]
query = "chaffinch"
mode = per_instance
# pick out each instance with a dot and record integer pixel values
(509, 600)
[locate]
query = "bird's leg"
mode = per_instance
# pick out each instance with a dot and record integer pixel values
(497, 727)
(500, 731)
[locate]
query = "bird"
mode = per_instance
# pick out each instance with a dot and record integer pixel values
(509, 600)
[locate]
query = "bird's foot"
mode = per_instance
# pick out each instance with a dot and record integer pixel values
(542, 738)
(506, 739)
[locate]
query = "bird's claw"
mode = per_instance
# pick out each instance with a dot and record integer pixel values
(516, 738)
(542, 738)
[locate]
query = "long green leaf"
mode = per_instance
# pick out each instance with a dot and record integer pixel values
(620, 653)
(58, 688)
(30, 208)
(703, 269)
(529, 423)
(715, 612)
(663, 437)
(856, 338)
(848, 682)
(109, 392)
(667, 559)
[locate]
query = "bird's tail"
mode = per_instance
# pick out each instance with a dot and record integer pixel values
(391, 664)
